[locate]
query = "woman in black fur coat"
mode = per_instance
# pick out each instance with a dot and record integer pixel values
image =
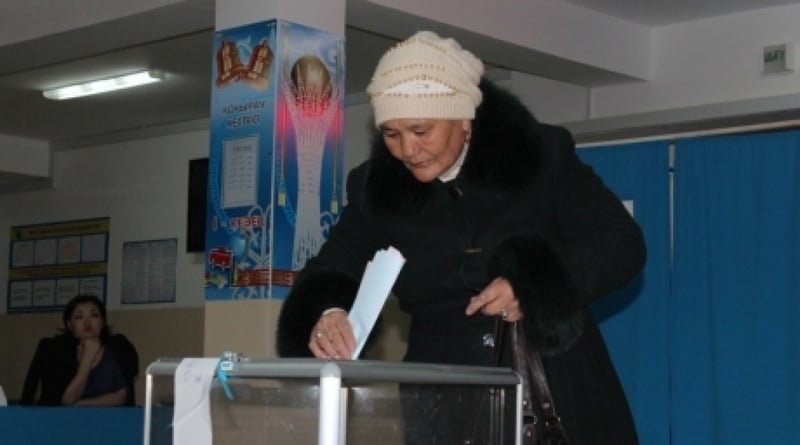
(496, 217)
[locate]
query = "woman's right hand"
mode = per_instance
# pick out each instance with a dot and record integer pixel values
(332, 337)
(89, 349)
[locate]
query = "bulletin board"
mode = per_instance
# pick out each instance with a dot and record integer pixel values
(51, 263)
(148, 271)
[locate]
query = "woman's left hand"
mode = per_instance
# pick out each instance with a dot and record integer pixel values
(496, 299)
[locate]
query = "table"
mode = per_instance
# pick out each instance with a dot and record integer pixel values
(35, 425)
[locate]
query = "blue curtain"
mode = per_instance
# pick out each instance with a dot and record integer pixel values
(735, 337)
(634, 320)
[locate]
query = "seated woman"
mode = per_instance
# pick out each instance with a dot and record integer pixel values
(84, 365)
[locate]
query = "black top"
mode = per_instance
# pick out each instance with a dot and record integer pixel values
(55, 363)
(104, 378)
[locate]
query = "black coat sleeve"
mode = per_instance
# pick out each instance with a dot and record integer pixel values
(595, 248)
(316, 289)
(35, 372)
(51, 369)
(598, 242)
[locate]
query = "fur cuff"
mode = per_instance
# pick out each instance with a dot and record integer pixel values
(553, 312)
(312, 293)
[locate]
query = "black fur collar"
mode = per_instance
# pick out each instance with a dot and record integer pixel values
(502, 156)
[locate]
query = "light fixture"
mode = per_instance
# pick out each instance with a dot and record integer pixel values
(104, 85)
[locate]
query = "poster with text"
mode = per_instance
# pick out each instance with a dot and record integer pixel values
(275, 156)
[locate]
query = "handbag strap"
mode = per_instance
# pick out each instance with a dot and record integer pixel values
(528, 363)
(522, 365)
(552, 422)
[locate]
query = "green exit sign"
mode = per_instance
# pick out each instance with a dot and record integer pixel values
(778, 58)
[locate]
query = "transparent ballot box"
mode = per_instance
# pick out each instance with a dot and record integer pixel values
(310, 401)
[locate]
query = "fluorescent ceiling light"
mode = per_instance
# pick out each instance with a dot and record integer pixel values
(104, 85)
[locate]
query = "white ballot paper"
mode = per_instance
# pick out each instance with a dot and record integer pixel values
(191, 422)
(376, 284)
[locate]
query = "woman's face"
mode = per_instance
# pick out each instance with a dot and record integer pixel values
(86, 321)
(427, 147)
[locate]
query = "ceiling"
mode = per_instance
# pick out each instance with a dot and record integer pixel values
(668, 12)
(177, 39)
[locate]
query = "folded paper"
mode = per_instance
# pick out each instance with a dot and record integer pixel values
(376, 284)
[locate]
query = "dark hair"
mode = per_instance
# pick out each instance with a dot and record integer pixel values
(86, 298)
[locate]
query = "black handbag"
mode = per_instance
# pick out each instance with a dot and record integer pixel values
(541, 425)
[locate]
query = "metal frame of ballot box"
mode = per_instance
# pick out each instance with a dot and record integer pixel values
(332, 374)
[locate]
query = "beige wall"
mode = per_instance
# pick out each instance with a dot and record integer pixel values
(155, 332)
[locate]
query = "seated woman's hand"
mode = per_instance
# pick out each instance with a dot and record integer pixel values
(332, 336)
(88, 349)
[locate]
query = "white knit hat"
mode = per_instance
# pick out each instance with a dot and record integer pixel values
(426, 77)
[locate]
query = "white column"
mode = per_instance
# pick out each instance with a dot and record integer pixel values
(249, 326)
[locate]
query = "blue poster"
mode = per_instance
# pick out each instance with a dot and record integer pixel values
(275, 161)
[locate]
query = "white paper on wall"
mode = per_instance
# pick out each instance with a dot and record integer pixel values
(628, 203)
